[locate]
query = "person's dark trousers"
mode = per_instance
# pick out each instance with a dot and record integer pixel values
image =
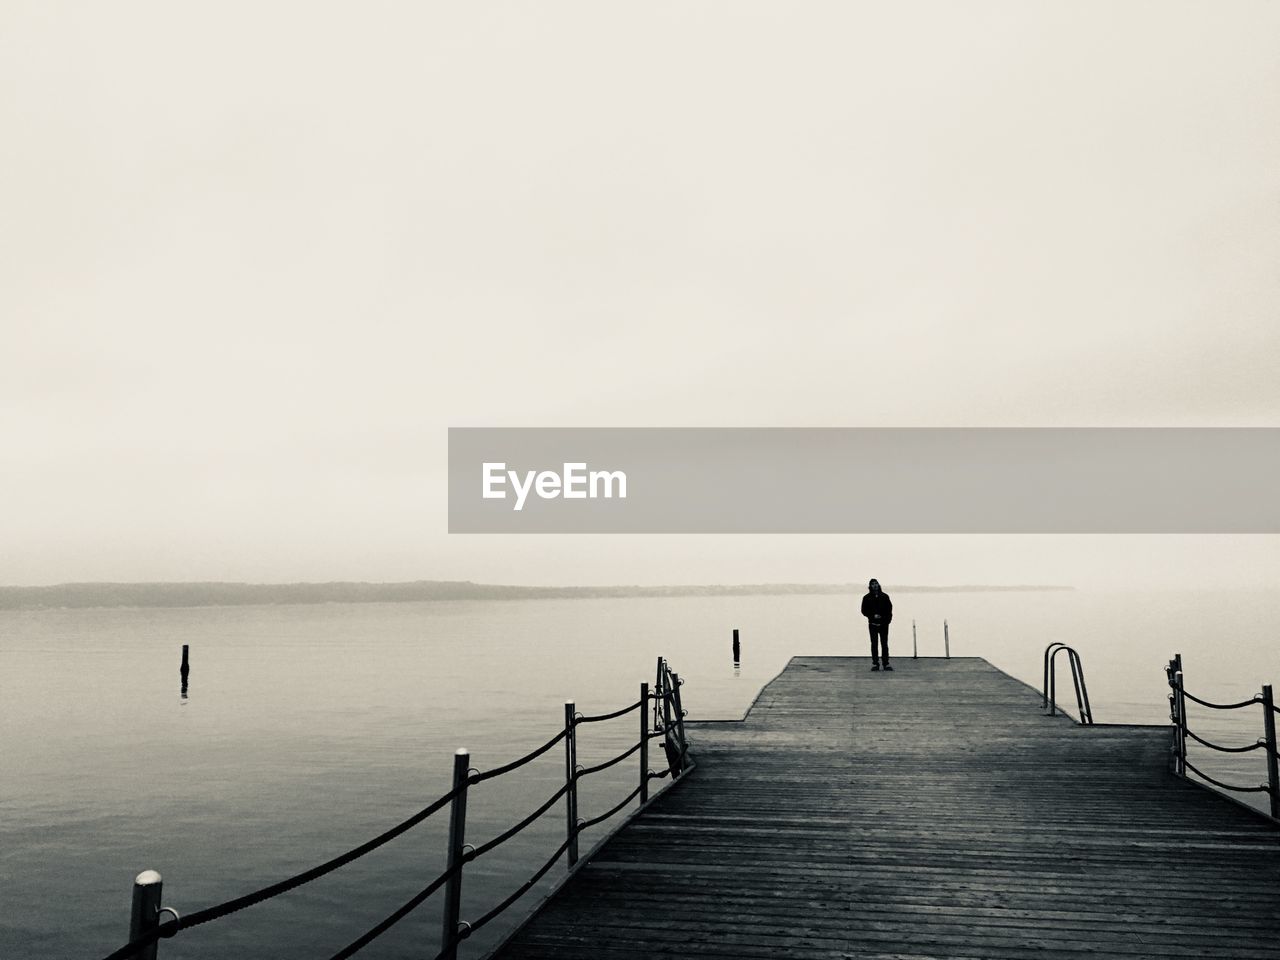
(879, 641)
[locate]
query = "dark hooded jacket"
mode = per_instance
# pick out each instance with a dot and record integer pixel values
(877, 607)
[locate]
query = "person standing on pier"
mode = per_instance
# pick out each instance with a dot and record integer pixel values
(878, 609)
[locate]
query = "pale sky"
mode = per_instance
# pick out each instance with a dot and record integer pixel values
(256, 258)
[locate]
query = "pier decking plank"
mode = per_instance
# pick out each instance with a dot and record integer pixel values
(932, 812)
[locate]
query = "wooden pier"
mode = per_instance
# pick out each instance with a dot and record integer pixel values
(932, 812)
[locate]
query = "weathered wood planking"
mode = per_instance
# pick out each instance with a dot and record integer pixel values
(932, 812)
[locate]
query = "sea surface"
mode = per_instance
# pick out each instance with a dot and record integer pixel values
(308, 729)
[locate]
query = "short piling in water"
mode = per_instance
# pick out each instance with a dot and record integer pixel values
(946, 639)
(915, 653)
(737, 648)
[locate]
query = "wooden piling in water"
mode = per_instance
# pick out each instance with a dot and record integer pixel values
(737, 648)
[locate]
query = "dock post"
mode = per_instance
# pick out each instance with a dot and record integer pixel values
(644, 742)
(737, 648)
(665, 693)
(675, 694)
(946, 638)
(915, 653)
(571, 778)
(145, 915)
(1180, 694)
(1273, 766)
(457, 836)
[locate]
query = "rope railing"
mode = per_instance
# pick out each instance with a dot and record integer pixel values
(587, 771)
(520, 891)
(516, 764)
(1225, 786)
(149, 923)
(583, 824)
(1221, 706)
(378, 929)
(611, 716)
(1182, 734)
(217, 912)
(1221, 749)
(510, 832)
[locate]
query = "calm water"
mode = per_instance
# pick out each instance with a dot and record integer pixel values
(309, 729)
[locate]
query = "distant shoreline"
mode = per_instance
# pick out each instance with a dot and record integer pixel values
(222, 594)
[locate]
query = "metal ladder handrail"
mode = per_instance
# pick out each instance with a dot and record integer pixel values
(1050, 697)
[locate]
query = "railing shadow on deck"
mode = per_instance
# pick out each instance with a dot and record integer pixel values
(661, 716)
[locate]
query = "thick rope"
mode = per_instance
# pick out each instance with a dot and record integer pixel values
(516, 764)
(1221, 706)
(587, 771)
(519, 892)
(266, 893)
(610, 716)
(383, 926)
(1213, 746)
(512, 831)
(218, 911)
(605, 816)
(1218, 783)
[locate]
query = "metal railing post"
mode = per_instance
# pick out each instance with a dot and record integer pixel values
(457, 835)
(644, 742)
(1053, 684)
(1082, 689)
(1182, 720)
(946, 638)
(915, 654)
(571, 778)
(665, 690)
(1273, 766)
(679, 711)
(145, 915)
